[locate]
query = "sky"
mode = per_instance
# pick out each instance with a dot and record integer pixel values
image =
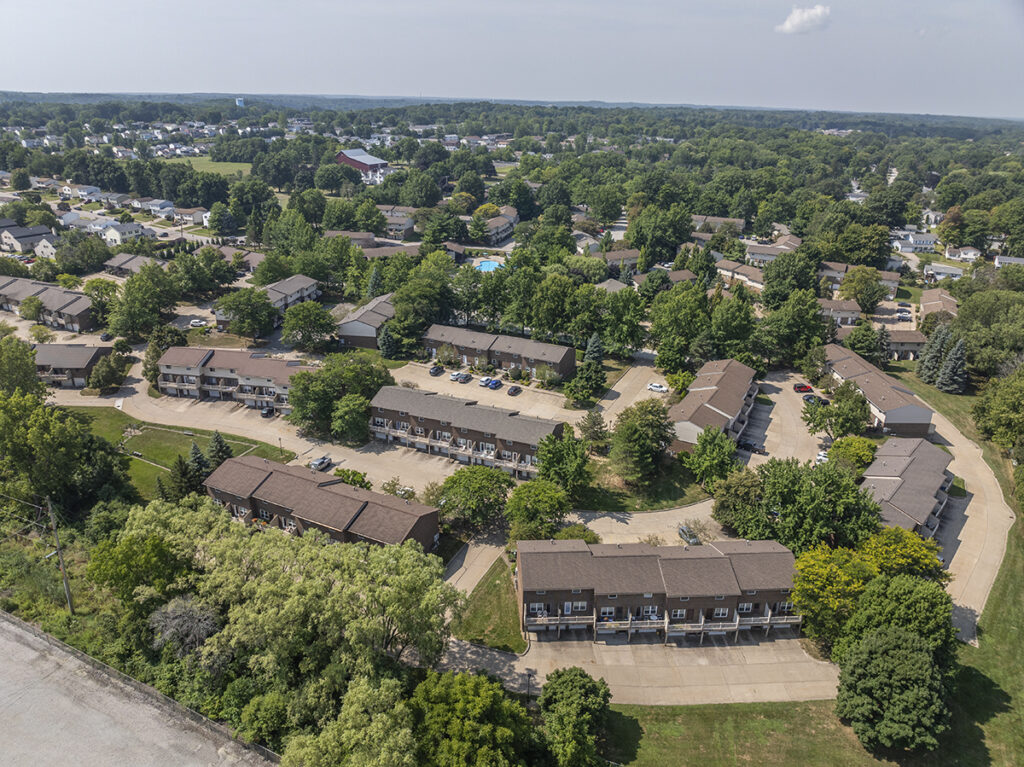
(961, 57)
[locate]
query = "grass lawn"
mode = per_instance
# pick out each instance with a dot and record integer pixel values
(389, 364)
(162, 444)
(92, 206)
(206, 164)
(958, 489)
(674, 486)
(908, 293)
(491, 616)
(215, 340)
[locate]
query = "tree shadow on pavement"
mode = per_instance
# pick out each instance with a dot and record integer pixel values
(465, 656)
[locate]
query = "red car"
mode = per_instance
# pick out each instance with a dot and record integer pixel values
(802, 387)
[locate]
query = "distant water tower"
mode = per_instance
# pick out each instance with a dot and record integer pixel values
(239, 102)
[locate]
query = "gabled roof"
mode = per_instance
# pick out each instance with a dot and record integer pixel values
(374, 312)
(716, 395)
(882, 392)
(905, 480)
(74, 356)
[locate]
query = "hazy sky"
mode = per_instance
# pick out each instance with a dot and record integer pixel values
(945, 57)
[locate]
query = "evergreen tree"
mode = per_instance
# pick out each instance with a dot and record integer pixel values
(932, 355)
(387, 344)
(595, 349)
(179, 483)
(884, 344)
(375, 287)
(198, 467)
(594, 430)
(161, 490)
(952, 377)
(218, 450)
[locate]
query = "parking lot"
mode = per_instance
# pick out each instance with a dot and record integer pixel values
(887, 314)
(779, 426)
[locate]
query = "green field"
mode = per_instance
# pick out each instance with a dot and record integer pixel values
(206, 164)
(491, 617)
(674, 486)
(160, 445)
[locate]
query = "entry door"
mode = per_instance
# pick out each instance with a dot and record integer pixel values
(567, 608)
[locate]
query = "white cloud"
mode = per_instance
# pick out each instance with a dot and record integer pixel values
(803, 20)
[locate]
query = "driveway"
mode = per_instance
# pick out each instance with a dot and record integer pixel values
(624, 527)
(531, 401)
(885, 314)
(59, 710)
(779, 427)
(630, 389)
(647, 672)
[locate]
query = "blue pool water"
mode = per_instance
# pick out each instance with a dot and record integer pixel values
(488, 266)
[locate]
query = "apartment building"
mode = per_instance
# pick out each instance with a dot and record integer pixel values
(675, 276)
(500, 227)
(503, 352)
(67, 366)
(714, 223)
(127, 264)
(909, 480)
(460, 429)
(251, 378)
(284, 293)
(893, 408)
(843, 311)
(62, 309)
(22, 239)
(620, 258)
(399, 221)
(906, 344)
(733, 271)
(937, 300)
(718, 589)
(720, 397)
(296, 499)
(361, 327)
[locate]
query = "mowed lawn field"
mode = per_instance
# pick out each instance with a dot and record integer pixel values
(161, 445)
(204, 163)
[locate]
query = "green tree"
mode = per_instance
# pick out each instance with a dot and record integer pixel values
(109, 372)
(102, 294)
(387, 344)
(375, 285)
(826, 589)
(789, 271)
(890, 691)
(18, 367)
(847, 414)
(160, 340)
(218, 450)
(895, 551)
(307, 325)
(862, 284)
(595, 349)
(350, 419)
(575, 710)
(788, 333)
(30, 308)
(20, 180)
(713, 457)
(624, 315)
(313, 394)
(589, 382)
(69, 281)
(932, 354)
(41, 334)
(536, 509)
(856, 453)
(565, 460)
(354, 478)
(144, 297)
(952, 377)
(606, 203)
(141, 570)
(249, 311)
(221, 221)
(864, 341)
(198, 466)
(593, 430)
(475, 495)
(642, 433)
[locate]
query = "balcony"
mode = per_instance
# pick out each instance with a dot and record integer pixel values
(560, 620)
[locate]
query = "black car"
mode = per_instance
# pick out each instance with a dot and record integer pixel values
(106, 337)
(810, 398)
(688, 535)
(904, 304)
(823, 401)
(436, 370)
(464, 378)
(267, 412)
(514, 390)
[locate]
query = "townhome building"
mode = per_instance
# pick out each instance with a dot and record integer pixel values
(22, 239)
(843, 311)
(620, 258)
(399, 220)
(127, 264)
(46, 247)
(716, 222)
(906, 344)
(294, 499)
(718, 589)
(67, 366)
(460, 429)
(63, 309)
(733, 272)
(499, 228)
(675, 276)
(937, 300)
(388, 251)
(894, 408)
(246, 260)
(284, 293)
(721, 397)
(360, 328)
(503, 352)
(251, 378)
(910, 481)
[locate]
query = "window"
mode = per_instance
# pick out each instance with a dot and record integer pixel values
(577, 591)
(613, 596)
(377, 421)
(419, 430)
(607, 612)
(264, 515)
(745, 607)
(533, 447)
(648, 596)
(649, 610)
(506, 455)
(443, 423)
(579, 607)
(785, 591)
(751, 593)
(719, 598)
(419, 418)
(540, 593)
(464, 430)
(488, 434)
(785, 607)
(679, 614)
(402, 412)
(721, 612)
(536, 607)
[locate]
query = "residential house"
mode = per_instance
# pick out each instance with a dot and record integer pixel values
(363, 239)
(932, 217)
(191, 216)
(116, 235)
(934, 272)
(284, 293)
(894, 408)
(254, 379)
(762, 255)
(499, 228)
(296, 499)
(22, 239)
(834, 272)
(720, 397)
(717, 589)
(937, 300)
(67, 366)
(399, 220)
(63, 309)
(909, 480)
(733, 271)
(890, 281)
(968, 254)
(46, 247)
(372, 169)
(717, 222)
(248, 260)
(1001, 261)
(906, 344)
(585, 244)
(843, 311)
(611, 286)
(620, 258)
(460, 429)
(127, 264)
(360, 327)
(502, 352)
(162, 208)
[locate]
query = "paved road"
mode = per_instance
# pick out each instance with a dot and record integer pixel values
(646, 672)
(630, 389)
(779, 426)
(623, 527)
(58, 710)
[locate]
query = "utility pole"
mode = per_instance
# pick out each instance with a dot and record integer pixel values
(60, 555)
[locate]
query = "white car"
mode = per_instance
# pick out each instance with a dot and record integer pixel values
(484, 381)
(197, 324)
(660, 388)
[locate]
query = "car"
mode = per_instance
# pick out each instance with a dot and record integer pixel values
(464, 378)
(904, 303)
(436, 370)
(823, 401)
(687, 534)
(485, 381)
(455, 375)
(747, 445)
(660, 388)
(513, 391)
(802, 387)
(163, 234)
(106, 337)
(323, 463)
(904, 318)
(197, 323)
(494, 384)
(810, 398)
(821, 459)
(903, 311)
(267, 412)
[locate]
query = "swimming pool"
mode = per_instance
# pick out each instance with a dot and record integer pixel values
(488, 266)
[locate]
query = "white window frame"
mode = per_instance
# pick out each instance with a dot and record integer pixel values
(541, 593)
(785, 607)
(607, 612)
(719, 599)
(648, 596)
(579, 607)
(684, 599)
(679, 614)
(535, 608)
(577, 591)
(745, 607)
(613, 596)
(721, 612)
(647, 610)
